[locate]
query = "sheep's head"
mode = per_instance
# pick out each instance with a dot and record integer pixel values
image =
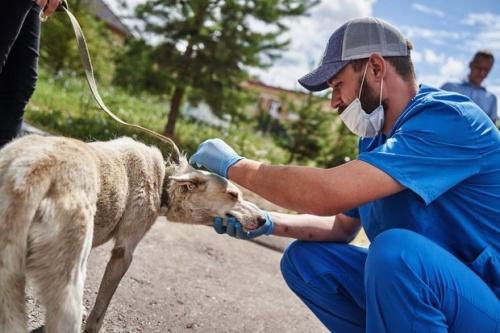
(198, 196)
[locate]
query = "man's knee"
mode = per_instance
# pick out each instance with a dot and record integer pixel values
(393, 251)
(289, 259)
(305, 261)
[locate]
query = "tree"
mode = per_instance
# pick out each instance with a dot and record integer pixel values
(211, 43)
(317, 137)
(303, 137)
(139, 67)
(59, 51)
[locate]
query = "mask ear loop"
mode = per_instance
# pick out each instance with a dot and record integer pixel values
(363, 80)
(381, 90)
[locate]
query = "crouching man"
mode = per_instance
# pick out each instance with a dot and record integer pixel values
(425, 188)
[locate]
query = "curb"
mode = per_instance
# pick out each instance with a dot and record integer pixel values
(29, 129)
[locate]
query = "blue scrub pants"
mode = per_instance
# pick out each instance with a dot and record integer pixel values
(403, 283)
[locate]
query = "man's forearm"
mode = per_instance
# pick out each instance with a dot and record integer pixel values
(313, 228)
(324, 192)
(294, 183)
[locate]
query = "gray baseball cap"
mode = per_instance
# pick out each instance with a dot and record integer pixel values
(356, 39)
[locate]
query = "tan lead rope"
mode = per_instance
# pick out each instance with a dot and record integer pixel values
(89, 74)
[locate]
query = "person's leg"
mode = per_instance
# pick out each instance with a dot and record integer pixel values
(328, 278)
(414, 285)
(19, 42)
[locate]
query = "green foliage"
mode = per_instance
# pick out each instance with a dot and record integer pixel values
(141, 67)
(242, 137)
(317, 137)
(340, 147)
(65, 106)
(204, 49)
(58, 48)
(206, 46)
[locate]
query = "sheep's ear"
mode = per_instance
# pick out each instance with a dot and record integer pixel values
(189, 180)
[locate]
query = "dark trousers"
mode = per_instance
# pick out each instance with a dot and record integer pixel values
(19, 44)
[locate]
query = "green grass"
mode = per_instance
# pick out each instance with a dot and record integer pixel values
(65, 106)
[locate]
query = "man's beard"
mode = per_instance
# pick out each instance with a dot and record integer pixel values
(369, 99)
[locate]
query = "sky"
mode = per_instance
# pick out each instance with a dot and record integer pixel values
(445, 35)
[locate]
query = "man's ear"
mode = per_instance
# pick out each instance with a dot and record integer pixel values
(377, 66)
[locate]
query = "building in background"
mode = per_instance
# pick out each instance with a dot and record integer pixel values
(104, 13)
(273, 105)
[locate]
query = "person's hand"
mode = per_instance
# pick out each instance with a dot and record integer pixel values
(48, 6)
(235, 229)
(216, 156)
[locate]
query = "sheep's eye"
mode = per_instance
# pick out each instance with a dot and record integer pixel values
(233, 195)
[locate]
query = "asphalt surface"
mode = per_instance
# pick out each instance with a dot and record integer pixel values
(186, 278)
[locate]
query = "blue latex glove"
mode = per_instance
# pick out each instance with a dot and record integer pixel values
(215, 155)
(235, 229)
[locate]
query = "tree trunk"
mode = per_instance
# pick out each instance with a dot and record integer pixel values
(174, 111)
(176, 100)
(184, 75)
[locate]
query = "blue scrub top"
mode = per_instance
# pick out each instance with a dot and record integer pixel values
(447, 155)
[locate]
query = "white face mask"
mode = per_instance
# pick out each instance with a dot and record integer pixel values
(360, 122)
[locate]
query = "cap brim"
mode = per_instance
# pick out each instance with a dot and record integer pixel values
(317, 80)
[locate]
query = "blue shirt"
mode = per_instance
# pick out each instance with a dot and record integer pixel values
(486, 100)
(447, 155)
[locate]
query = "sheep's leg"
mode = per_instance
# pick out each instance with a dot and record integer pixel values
(128, 236)
(117, 267)
(57, 260)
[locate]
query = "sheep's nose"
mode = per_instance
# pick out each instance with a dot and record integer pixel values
(260, 221)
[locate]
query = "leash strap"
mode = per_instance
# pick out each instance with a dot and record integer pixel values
(89, 74)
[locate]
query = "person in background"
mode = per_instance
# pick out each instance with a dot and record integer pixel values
(425, 187)
(19, 44)
(480, 66)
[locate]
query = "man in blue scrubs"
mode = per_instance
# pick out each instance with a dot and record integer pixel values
(480, 66)
(425, 187)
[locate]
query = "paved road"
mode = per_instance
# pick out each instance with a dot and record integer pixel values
(186, 278)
